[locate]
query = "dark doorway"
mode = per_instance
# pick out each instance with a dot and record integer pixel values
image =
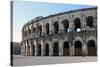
(39, 49)
(78, 48)
(56, 27)
(47, 29)
(66, 25)
(89, 21)
(29, 31)
(40, 30)
(34, 30)
(33, 50)
(66, 49)
(47, 50)
(77, 23)
(55, 49)
(92, 50)
(28, 50)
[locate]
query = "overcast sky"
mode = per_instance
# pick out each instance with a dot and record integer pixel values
(23, 11)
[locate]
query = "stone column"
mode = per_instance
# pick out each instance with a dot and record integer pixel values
(59, 24)
(51, 26)
(84, 49)
(71, 24)
(50, 49)
(50, 29)
(71, 43)
(32, 28)
(60, 47)
(84, 21)
(61, 30)
(26, 48)
(42, 48)
(35, 42)
(43, 28)
(72, 49)
(30, 44)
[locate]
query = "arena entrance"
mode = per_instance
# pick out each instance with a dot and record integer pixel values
(39, 49)
(56, 27)
(77, 23)
(78, 48)
(92, 50)
(33, 50)
(28, 50)
(55, 49)
(89, 21)
(47, 50)
(66, 49)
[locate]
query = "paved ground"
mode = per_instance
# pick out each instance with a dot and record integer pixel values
(27, 60)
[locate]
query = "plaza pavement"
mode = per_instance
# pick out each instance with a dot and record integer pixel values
(19, 60)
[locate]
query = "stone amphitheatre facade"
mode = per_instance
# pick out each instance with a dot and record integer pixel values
(71, 33)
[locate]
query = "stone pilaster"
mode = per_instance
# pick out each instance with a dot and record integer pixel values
(50, 26)
(60, 48)
(30, 44)
(71, 49)
(51, 49)
(26, 48)
(42, 48)
(84, 49)
(34, 47)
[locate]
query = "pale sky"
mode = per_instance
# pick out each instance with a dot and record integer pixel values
(24, 11)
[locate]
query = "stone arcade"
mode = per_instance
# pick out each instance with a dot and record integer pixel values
(72, 33)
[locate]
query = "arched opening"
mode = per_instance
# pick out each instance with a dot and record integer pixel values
(92, 50)
(77, 23)
(78, 48)
(65, 25)
(39, 49)
(55, 49)
(25, 50)
(28, 50)
(89, 21)
(29, 31)
(40, 29)
(26, 34)
(47, 29)
(47, 50)
(56, 27)
(66, 49)
(34, 30)
(33, 50)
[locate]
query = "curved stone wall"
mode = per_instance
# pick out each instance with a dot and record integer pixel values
(63, 34)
